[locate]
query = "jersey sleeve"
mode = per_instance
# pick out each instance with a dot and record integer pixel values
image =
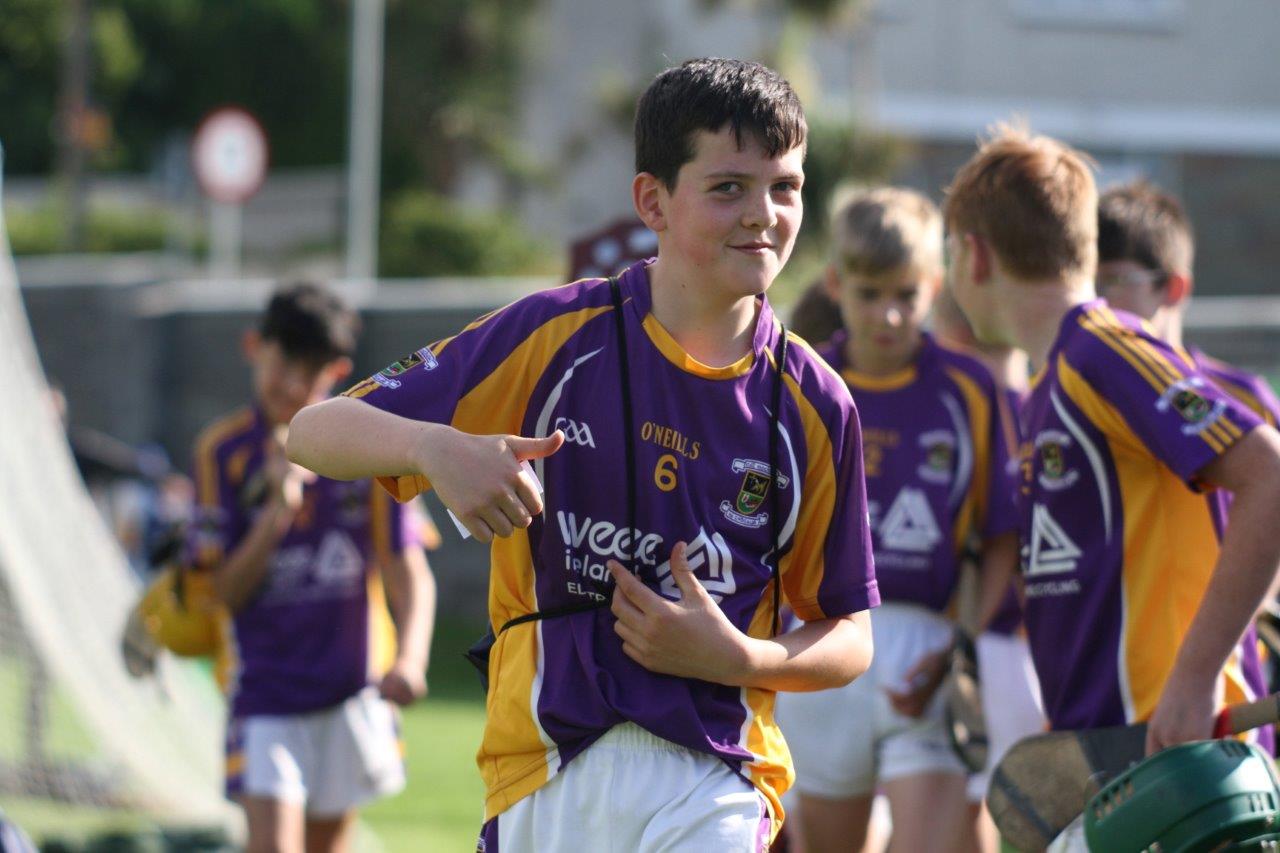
(219, 521)
(480, 380)
(1173, 409)
(828, 570)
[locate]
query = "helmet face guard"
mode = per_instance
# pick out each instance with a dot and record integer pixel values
(1209, 795)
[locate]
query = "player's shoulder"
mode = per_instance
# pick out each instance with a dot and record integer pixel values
(817, 380)
(227, 432)
(960, 366)
(545, 305)
(1102, 343)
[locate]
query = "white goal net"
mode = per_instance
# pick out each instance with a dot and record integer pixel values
(77, 733)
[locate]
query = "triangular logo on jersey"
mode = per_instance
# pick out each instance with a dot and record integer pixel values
(1051, 550)
(909, 525)
(711, 551)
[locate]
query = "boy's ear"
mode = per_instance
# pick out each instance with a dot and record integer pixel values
(339, 369)
(980, 259)
(250, 343)
(648, 194)
(1177, 289)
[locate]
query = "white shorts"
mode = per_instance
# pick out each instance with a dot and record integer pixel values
(329, 761)
(633, 792)
(1010, 700)
(845, 741)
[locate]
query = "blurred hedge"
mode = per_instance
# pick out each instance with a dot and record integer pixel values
(39, 231)
(424, 234)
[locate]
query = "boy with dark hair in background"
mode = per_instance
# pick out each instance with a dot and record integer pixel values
(700, 467)
(307, 567)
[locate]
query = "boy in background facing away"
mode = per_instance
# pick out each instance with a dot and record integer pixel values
(306, 567)
(1137, 601)
(936, 438)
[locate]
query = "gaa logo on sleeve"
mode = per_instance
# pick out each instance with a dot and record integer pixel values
(1184, 397)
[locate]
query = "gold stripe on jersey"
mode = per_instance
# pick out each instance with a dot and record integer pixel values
(498, 402)
(973, 510)
(1170, 547)
(892, 382)
(511, 706)
(676, 354)
(771, 770)
(1149, 364)
(382, 638)
(1246, 396)
(808, 544)
(207, 444)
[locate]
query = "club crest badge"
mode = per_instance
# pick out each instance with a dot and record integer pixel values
(939, 446)
(756, 482)
(1051, 446)
(1198, 412)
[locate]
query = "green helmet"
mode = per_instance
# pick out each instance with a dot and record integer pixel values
(1207, 796)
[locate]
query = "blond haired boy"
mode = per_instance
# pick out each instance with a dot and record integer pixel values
(936, 455)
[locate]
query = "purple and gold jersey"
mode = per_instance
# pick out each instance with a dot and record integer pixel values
(937, 443)
(1118, 543)
(702, 436)
(1248, 388)
(317, 630)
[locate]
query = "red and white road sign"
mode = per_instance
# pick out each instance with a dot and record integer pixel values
(229, 155)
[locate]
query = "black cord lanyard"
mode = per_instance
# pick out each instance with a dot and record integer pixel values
(629, 461)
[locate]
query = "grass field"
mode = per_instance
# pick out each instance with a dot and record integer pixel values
(440, 810)
(443, 804)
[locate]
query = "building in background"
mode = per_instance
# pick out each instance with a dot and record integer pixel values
(1179, 91)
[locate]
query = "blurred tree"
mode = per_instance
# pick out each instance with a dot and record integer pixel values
(158, 66)
(452, 75)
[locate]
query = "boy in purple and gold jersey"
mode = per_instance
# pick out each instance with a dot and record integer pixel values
(1146, 251)
(678, 434)
(307, 567)
(935, 436)
(1136, 599)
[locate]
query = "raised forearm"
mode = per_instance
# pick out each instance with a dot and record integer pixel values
(345, 439)
(819, 655)
(238, 577)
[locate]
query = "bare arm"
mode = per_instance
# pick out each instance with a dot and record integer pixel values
(1246, 566)
(692, 638)
(411, 595)
(996, 571)
(237, 578)
(478, 477)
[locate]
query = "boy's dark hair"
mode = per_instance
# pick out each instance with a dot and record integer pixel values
(1140, 223)
(707, 94)
(310, 323)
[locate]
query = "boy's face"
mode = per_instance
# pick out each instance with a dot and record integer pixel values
(284, 385)
(734, 213)
(885, 313)
(1131, 287)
